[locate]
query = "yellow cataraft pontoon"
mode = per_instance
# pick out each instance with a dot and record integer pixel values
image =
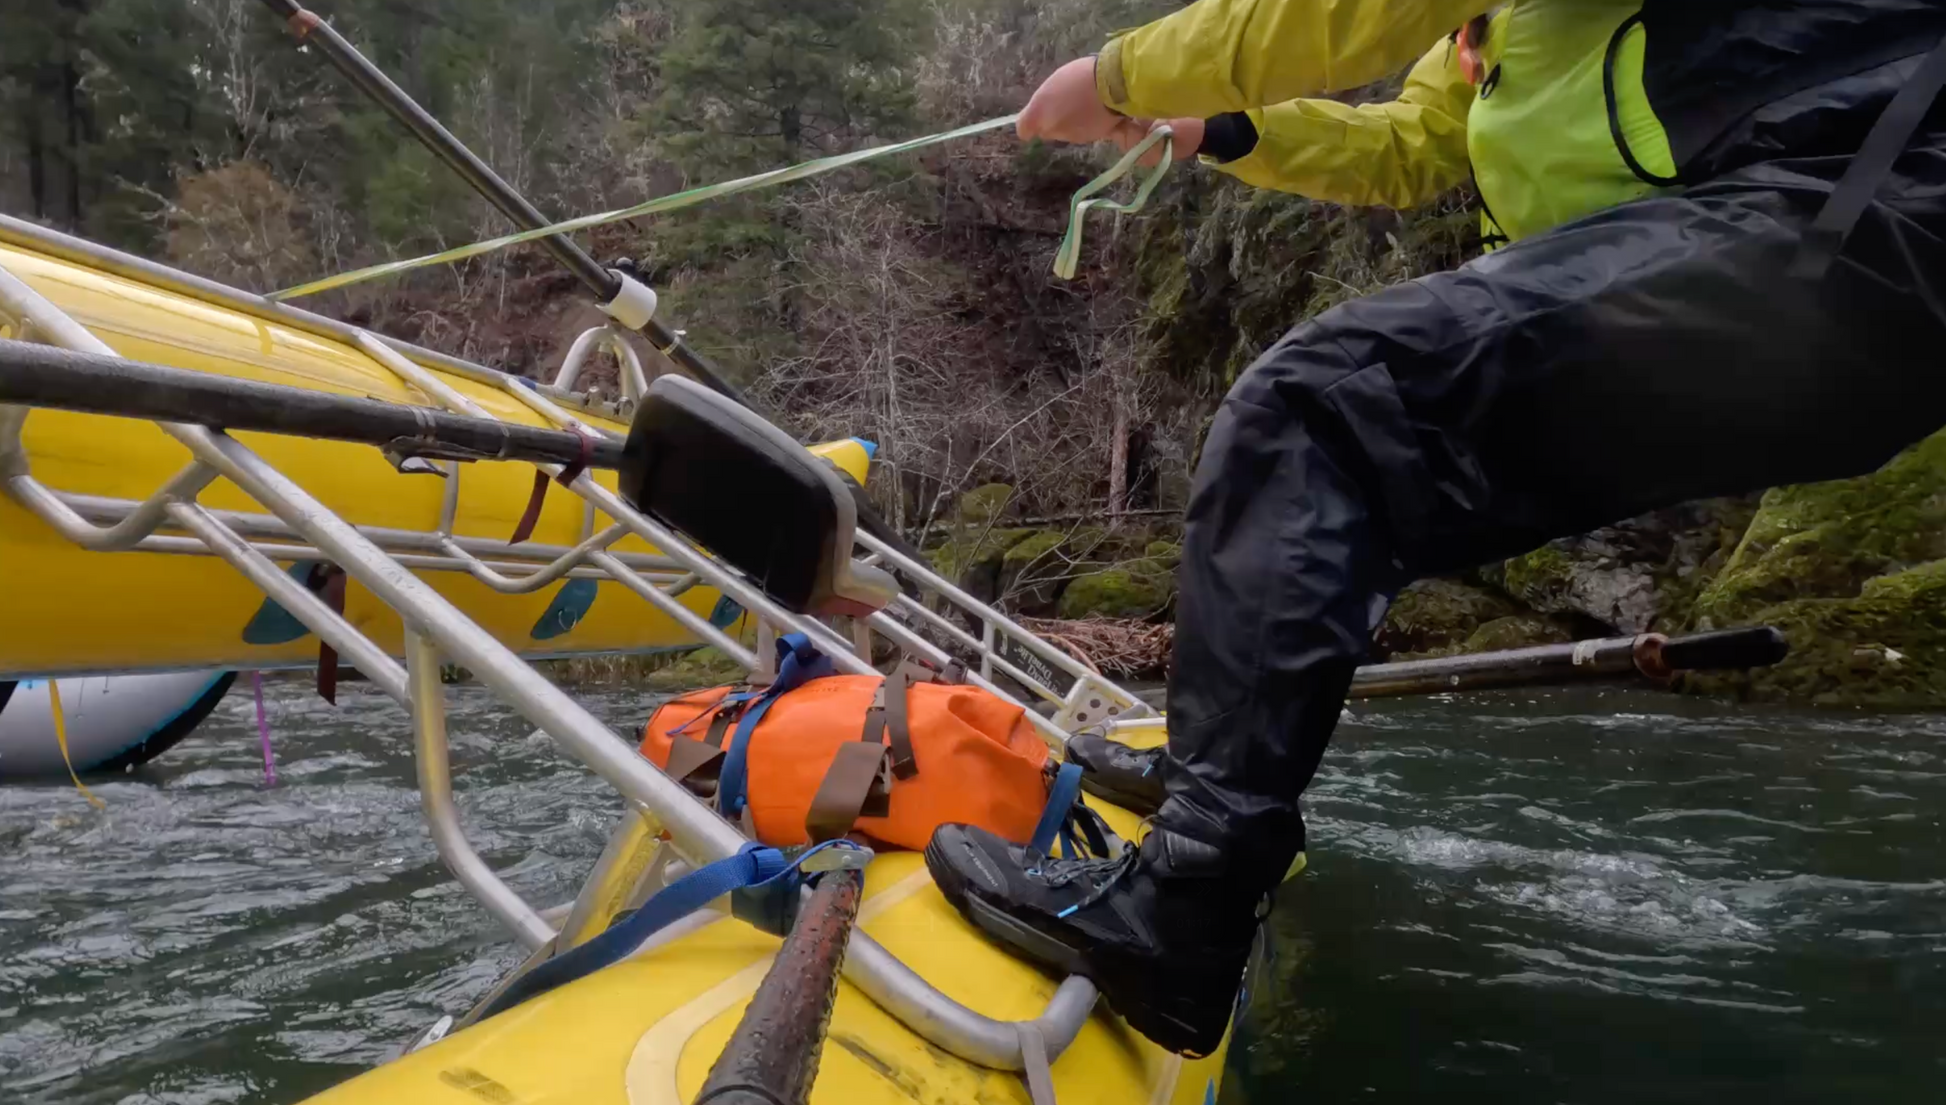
(161, 609)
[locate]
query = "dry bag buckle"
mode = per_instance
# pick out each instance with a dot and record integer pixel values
(846, 857)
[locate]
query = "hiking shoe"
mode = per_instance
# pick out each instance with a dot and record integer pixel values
(1163, 932)
(1129, 777)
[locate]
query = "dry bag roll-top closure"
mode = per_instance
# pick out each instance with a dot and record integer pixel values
(816, 755)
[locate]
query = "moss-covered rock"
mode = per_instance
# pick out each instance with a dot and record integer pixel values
(1826, 540)
(1035, 570)
(1140, 588)
(1885, 646)
(1854, 572)
(1539, 576)
(1517, 631)
(1628, 577)
(1166, 553)
(985, 503)
(1446, 617)
(1436, 616)
(1115, 593)
(972, 557)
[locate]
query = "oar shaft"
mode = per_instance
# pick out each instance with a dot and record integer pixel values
(372, 81)
(1650, 654)
(312, 30)
(46, 376)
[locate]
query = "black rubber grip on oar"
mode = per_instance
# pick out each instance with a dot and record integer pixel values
(1758, 646)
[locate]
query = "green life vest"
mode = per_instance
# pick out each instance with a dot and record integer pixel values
(1586, 104)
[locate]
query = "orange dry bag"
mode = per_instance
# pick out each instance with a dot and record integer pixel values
(817, 755)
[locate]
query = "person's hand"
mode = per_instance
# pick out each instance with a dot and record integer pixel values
(1185, 137)
(1065, 108)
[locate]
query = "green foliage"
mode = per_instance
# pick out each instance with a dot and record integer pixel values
(101, 99)
(750, 84)
(105, 104)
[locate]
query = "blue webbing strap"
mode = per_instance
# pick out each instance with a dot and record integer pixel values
(1060, 799)
(798, 662)
(734, 698)
(752, 866)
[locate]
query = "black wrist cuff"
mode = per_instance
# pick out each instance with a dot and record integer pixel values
(1228, 137)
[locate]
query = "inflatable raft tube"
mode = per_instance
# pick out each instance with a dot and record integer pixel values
(93, 613)
(113, 722)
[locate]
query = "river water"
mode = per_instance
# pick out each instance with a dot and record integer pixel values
(1569, 897)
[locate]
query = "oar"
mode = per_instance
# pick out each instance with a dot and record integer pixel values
(45, 376)
(772, 1057)
(1650, 655)
(313, 31)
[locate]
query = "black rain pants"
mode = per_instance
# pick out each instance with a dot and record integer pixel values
(1649, 354)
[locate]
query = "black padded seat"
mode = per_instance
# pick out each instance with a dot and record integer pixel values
(741, 488)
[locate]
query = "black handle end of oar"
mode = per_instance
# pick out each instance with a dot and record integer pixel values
(1756, 646)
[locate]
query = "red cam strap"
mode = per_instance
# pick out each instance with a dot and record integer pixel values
(569, 473)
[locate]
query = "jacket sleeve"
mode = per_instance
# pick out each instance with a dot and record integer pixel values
(1400, 153)
(1217, 56)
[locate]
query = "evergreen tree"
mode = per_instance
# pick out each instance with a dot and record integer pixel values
(752, 84)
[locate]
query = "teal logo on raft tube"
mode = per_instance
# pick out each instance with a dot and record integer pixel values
(274, 625)
(577, 596)
(726, 613)
(571, 604)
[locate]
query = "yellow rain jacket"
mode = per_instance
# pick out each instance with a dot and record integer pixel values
(1537, 132)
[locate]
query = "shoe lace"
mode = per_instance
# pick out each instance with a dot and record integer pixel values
(1104, 874)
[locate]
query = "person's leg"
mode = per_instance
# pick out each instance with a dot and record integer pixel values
(1639, 358)
(1650, 354)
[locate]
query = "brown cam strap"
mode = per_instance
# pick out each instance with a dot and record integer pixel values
(859, 781)
(857, 784)
(328, 581)
(695, 763)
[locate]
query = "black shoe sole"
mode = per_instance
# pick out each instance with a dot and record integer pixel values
(1190, 1020)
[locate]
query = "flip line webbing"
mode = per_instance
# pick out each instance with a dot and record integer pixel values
(1068, 257)
(61, 739)
(1065, 260)
(671, 202)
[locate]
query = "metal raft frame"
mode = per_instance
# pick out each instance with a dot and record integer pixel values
(298, 527)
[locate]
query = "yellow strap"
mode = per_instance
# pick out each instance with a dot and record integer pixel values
(61, 738)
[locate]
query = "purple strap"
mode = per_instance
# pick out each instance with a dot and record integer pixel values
(263, 729)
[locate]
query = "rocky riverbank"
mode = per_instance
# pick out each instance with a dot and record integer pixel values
(1853, 571)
